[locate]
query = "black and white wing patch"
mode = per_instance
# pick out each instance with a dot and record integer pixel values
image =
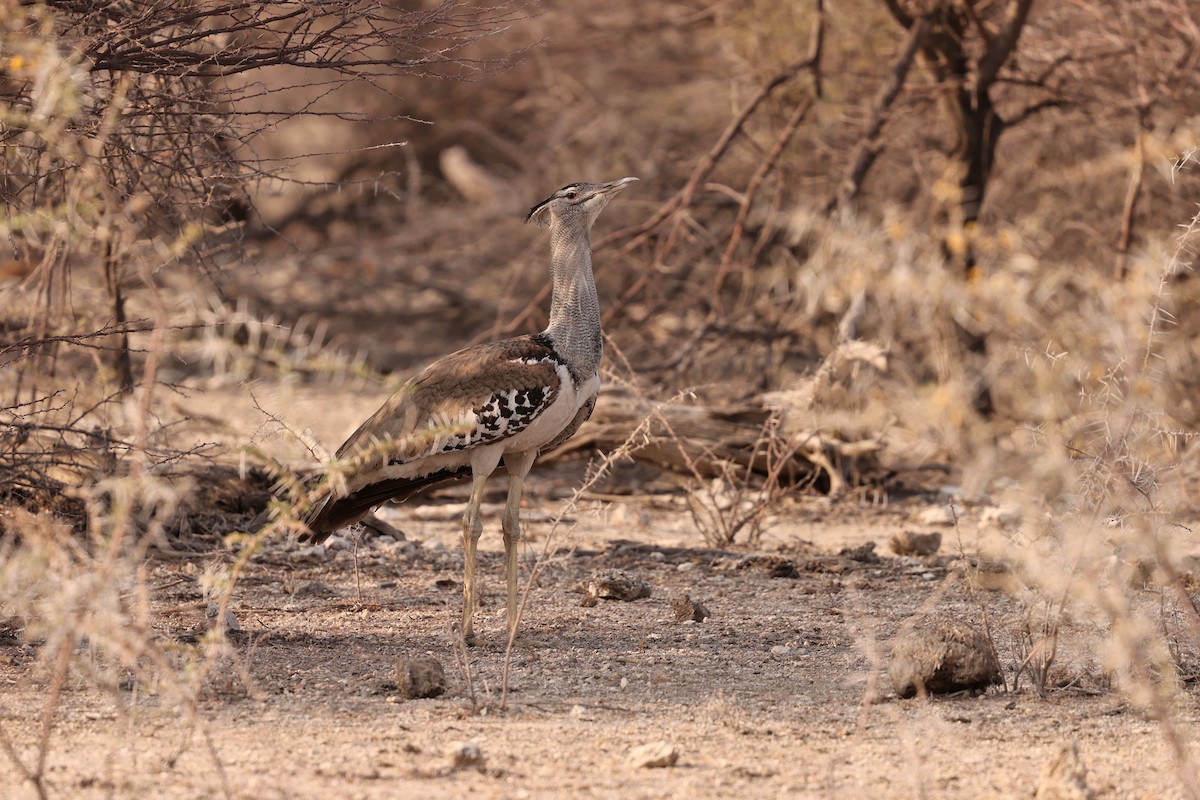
(505, 413)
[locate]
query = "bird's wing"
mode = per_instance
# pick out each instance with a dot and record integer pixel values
(581, 416)
(474, 397)
(477, 396)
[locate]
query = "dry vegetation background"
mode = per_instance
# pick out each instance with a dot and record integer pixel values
(879, 247)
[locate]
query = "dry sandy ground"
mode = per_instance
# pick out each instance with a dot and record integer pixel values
(763, 699)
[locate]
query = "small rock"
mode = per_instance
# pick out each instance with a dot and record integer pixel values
(395, 547)
(828, 565)
(315, 552)
(382, 529)
(11, 627)
(942, 657)
(936, 515)
(686, 608)
(912, 543)
(1064, 777)
(313, 589)
(420, 677)
(864, 552)
(653, 755)
(784, 568)
(229, 623)
(775, 566)
(335, 543)
(1007, 516)
(991, 576)
(616, 584)
(781, 650)
(465, 755)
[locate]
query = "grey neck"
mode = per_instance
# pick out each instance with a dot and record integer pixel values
(574, 308)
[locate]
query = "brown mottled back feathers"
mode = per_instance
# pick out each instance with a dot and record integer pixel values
(459, 383)
(476, 396)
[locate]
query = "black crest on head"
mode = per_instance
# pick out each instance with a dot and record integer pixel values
(535, 213)
(538, 213)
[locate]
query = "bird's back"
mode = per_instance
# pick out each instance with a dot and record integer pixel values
(495, 394)
(471, 397)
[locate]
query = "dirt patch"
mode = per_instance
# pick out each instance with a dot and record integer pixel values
(778, 692)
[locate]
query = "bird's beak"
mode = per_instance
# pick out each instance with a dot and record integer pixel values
(617, 186)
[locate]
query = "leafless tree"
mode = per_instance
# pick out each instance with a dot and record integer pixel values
(192, 88)
(997, 65)
(128, 138)
(1125, 68)
(1129, 69)
(964, 44)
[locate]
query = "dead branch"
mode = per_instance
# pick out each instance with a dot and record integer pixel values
(638, 234)
(1001, 46)
(29, 344)
(164, 147)
(178, 38)
(765, 167)
(706, 441)
(868, 146)
(1129, 208)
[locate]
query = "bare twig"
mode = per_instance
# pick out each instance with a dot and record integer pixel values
(765, 167)
(868, 146)
(1132, 193)
(636, 235)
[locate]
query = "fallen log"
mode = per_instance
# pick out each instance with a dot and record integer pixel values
(749, 438)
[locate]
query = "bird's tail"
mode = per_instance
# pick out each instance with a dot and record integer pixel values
(333, 513)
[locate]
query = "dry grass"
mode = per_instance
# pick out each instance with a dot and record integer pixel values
(1092, 379)
(1089, 444)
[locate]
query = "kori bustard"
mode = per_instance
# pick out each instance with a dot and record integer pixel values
(501, 402)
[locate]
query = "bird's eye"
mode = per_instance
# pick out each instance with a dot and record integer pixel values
(571, 194)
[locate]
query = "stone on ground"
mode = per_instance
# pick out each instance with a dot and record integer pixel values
(420, 677)
(942, 657)
(653, 755)
(616, 584)
(913, 543)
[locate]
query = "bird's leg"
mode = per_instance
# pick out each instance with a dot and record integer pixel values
(472, 528)
(518, 465)
(511, 524)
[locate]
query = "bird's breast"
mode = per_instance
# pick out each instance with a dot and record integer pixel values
(555, 418)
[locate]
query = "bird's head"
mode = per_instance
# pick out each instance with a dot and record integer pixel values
(576, 203)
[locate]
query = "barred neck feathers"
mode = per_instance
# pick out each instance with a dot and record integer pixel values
(574, 326)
